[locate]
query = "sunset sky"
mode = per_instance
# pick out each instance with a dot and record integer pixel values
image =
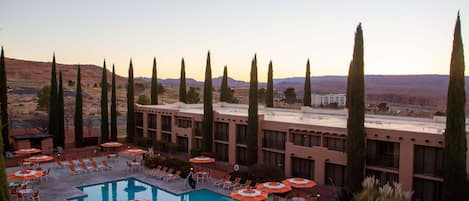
(401, 36)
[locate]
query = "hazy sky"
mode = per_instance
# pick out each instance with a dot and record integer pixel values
(401, 36)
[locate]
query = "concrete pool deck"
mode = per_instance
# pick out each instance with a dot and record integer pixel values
(61, 185)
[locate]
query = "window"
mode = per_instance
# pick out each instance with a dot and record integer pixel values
(306, 140)
(152, 121)
(152, 134)
(337, 144)
(275, 159)
(335, 174)
(166, 123)
(302, 168)
(427, 190)
(274, 139)
(241, 156)
(198, 128)
(184, 123)
(382, 154)
(139, 132)
(383, 177)
(221, 151)
(139, 119)
(241, 134)
(198, 143)
(166, 137)
(183, 142)
(428, 160)
(221, 131)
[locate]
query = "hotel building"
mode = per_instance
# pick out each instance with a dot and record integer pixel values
(310, 143)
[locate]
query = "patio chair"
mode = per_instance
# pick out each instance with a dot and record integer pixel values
(129, 166)
(233, 184)
(84, 168)
(73, 170)
(19, 197)
(95, 166)
(35, 196)
(161, 176)
(221, 182)
(59, 164)
(171, 177)
(46, 174)
(106, 165)
(246, 184)
(159, 172)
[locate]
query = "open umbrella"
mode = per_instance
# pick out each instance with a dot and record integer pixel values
(111, 144)
(28, 151)
(249, 195)
(39, 159)
(300, 182)
(274, 187)
(26, 175)
(202, 160)
(134, 151)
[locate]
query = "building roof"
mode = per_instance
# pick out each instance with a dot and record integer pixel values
(320, 117)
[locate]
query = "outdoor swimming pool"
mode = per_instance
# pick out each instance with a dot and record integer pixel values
(131, 188)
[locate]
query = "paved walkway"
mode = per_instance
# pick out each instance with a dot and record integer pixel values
(61, 185)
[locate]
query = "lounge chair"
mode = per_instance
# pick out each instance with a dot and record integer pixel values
(221, 182)
(73, 170)
(84, 168)
(95, 166)
(159, 172)
(58, 164)
(155, 171)
(162, 175)
(246, 184)
(106, 165)
(171, 177)
(232, 184)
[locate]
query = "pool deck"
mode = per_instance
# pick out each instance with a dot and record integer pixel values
(61, 185)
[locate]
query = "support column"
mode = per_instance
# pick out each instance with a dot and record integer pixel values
(319, 171)
(406, 168)
(158, 126)
(173, 126)
(232, 143)
(145, 124)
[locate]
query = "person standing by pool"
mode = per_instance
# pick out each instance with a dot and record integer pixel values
(191, 180)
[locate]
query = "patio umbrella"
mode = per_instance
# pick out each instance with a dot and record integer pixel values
(39, 159)
(134, 151)
(202, 160)
(249, 195)
(28, 151)
(111, 144)
(274, 187)
(26, 175)
(300, 182)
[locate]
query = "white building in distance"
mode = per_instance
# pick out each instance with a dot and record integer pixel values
(326, 99)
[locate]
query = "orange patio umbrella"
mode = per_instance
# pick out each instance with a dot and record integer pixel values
(274, 187)
(300, 183)
(38, 159)
(26, 175)
(28, 151)
(202, 159)
(249, 195)
(111, 144)
(134, 151)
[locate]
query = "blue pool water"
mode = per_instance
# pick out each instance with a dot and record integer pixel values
(131, 188)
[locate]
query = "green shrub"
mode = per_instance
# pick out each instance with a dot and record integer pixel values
(176, 164)
(209, 154)
(196, 152)
(160, 145)
(153, 161)
(173, 147)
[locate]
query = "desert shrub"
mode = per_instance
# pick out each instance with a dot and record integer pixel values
(196, 152)
(173, 147)
(143, 141)
(160, 145)
(153, 161)
(373, 190)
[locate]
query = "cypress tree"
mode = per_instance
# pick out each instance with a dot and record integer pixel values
(182, 83)
(78, 120)
(455, 186)
(104, 107)
(269, 96)
(4, 100)
(61, 114)
(4, 192)
(224, 89)
(113, 107)
(208, 108)
(154, 84)
(355, 145)
(307, 89)
(347, 95)
(253, 119)
(130, 105)
(53, 107)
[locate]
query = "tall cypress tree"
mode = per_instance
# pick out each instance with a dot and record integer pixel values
(4, 192)
(4, 100)
(455, 185)
(61, 114)
(307, 89)
(208, 108)
(104, 107)
(182, 83)
(269, 95)
(130, 105)
(53, 107)
(253, 116)
(154, 84)
(356, 116)
(78, 120)
(347, 95)
(224, 89)
(113, 107)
